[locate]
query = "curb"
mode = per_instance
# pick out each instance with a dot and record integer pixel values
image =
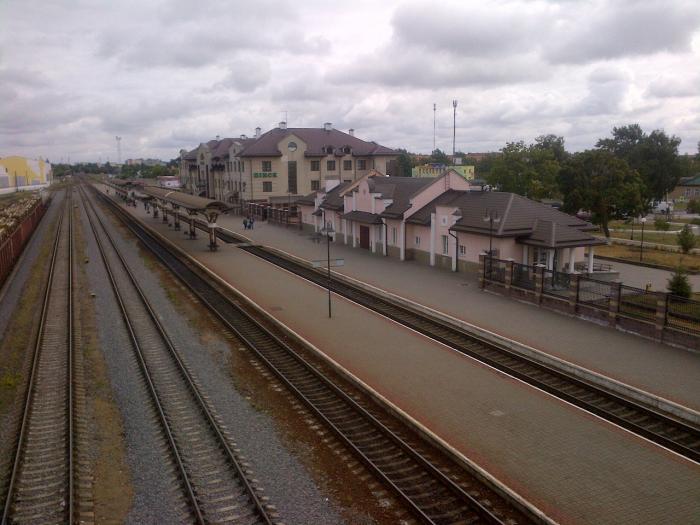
(643, 264)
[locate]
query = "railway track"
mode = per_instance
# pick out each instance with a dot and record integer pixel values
(675, 435)
(43, 483)
(424, 489)
(214, 478)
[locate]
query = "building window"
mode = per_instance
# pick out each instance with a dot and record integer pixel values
(361, 164)
(347, 165)
(393, 236)
(315, 185)
(330, 165)
(417, 241)
(445, 244)
(315, 165)
(462, 249)
(267, 166)
(267, 185)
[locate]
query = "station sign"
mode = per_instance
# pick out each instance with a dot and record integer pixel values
(264, 174)
(323, 263)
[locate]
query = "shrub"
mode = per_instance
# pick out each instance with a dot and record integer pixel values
(679, 284)
(662, 225)
(693, 206)
(686, 239)
(695, 221)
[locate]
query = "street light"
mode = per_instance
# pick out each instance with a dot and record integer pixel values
(328, 231)
(643, 220)
(492, 218)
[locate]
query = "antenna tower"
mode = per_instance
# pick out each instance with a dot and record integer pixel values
(119, 149)
(454, 128)
(434, 123)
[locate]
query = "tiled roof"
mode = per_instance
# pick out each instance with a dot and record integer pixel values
(690, 181)
(518, 217)
(218, 148)
(362, 216)
(399, 190)
(308, 200)
(317, 141)
(334, 199)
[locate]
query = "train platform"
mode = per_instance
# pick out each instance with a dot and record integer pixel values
(574, 467)
(664, 371)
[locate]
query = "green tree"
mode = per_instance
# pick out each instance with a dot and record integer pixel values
(654, 156)
(599, 182)
(531, 171)
(439, 157)
(554, 144)
(678, 284)
(404, 163)
(686, 239)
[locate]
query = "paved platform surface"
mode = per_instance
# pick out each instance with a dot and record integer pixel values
(573, 466)
(662, 370)
(640, 276)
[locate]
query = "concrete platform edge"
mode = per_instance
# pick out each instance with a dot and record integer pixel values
(530, 510)
(661, 404)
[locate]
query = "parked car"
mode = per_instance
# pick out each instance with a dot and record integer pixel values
(663, 207)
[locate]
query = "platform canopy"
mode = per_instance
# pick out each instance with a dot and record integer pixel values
(191, 203)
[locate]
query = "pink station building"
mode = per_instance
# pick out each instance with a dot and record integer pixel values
(447, 222)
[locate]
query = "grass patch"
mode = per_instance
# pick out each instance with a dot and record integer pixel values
(631, 253)
(656, 238)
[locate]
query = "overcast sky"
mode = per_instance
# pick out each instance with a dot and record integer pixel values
(169, 74)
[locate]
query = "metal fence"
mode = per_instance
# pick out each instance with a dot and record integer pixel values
(556, 283)
(682, 314)
(523, 276)
(594, 293)
(495, 269)
(637, 302)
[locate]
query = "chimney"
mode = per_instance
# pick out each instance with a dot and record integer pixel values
(283, 125)
(327, 126)
(244, 136)
(257, 133)
(351, 132)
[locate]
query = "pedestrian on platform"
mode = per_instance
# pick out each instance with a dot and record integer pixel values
(252, 221)
(245, 223)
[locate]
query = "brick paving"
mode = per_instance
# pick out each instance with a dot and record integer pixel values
(573, 466)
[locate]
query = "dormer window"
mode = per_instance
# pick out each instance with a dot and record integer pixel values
(329, 150)
(347, 150)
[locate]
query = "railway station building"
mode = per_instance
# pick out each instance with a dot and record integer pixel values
(448, 222)
(280, 166)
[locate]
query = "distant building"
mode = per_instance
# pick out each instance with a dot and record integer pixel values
(435, 170)
(281, 165)
(686, 189)
(168, 181)
(18, 173)
(145, 162)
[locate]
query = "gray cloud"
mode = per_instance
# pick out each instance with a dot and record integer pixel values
(605, 31)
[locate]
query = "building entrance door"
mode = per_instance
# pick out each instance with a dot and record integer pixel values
(292, 177)
(364, 237)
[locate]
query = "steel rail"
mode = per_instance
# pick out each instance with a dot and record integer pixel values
(196, 284)
(643, 420)
(29, 396)
(259, 507)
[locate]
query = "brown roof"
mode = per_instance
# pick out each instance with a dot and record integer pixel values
(317, 140)
(532, 222)
(218, 148)
(362, 216)
(333, 199)
(399, 190)
(190, 202)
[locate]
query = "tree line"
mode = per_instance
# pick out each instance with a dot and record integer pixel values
(621, 177)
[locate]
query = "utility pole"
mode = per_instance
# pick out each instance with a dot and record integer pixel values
(119, 149)
(454, 128)
(434, 123)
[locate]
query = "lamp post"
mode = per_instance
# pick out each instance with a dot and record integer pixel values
(643, 220)
(632, 234)
(328, 231)
(491, 217)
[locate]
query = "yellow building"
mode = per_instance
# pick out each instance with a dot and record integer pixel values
(22, 173)
(435, 170)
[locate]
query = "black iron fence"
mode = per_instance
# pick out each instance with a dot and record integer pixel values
(655, 308)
